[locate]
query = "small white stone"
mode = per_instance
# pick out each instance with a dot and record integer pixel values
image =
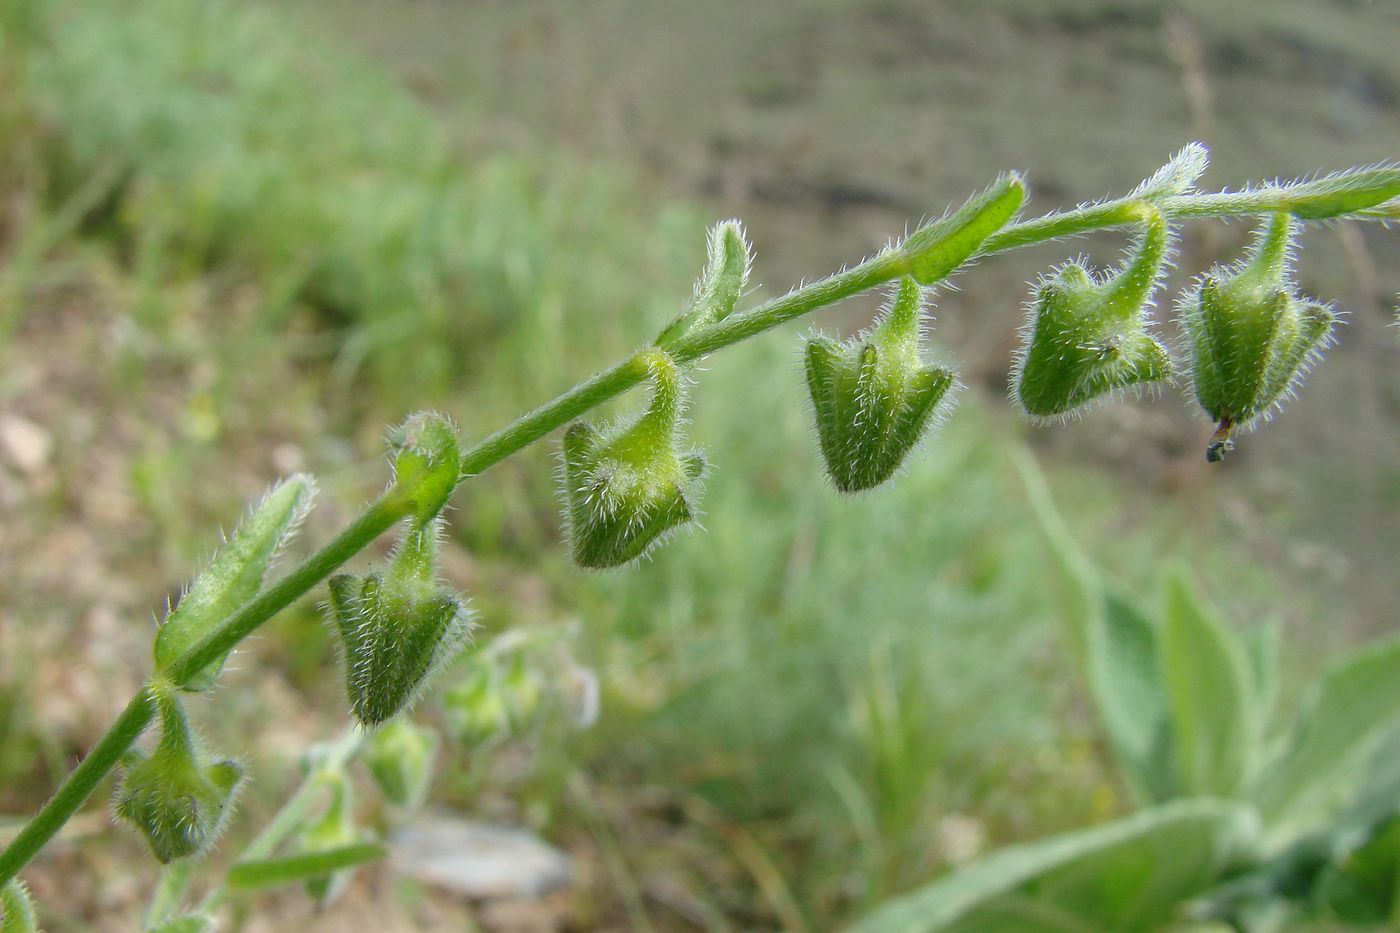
(25, 443)
(477, 860)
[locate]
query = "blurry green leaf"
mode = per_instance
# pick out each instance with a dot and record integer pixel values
(1356, 701)
(1116, 647)
(935, 250)
(1378, 792)
(1208, 681)
(1133, 874)
(294, 869)
(16, 909)
(234, 576)
(1178, 176)
(1261, 644)
(190, 923)
(1363, 889)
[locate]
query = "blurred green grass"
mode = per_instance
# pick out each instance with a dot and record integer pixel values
(256, 249)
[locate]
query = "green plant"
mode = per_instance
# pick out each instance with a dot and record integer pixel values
(1246, 815)
(627, 486)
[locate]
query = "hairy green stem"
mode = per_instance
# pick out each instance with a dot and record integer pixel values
(378, 518)
(633, 371)
(294, 809)
(80, 783)
(1363, 194)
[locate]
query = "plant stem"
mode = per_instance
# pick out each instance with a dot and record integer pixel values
(169, 892)
(80, 783)
(1363, 194)
(376, 519)
(294, 809)
(633, 371)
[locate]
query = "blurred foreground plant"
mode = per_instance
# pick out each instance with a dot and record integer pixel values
(1247, 816)
(628, 485)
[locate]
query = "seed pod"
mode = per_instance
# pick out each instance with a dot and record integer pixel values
(874, 397)
(1250, 335)
(333, 829)
(16, 909)
(400, 757)
(717, 291)
(427, 461)
(629, 486)
(1088, 337)
(177, 799)
(234, 576)
(396, 628)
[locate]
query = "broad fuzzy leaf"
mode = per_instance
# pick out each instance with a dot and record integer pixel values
(1214, 717)
(1116, 647)
(1353, 706)
(1131, 875)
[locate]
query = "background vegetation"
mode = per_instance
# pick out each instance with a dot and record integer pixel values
(238, 239)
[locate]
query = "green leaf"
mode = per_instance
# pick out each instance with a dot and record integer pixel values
(937, 249)
(1363, 888)
(234, 576)
(189, 923)
(1212, 700)
(719, 287)
(1116, 647)
(1178, 176)
(1261, 643)
(1344, 192)
(1354, 705)
(294, 869)
(1133, 874)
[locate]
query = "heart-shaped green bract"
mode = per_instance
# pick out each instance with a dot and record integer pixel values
(628, 486)
(175, 797)
(874, 397)
(397, 627)
(1088, 336)
(1250, 335)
